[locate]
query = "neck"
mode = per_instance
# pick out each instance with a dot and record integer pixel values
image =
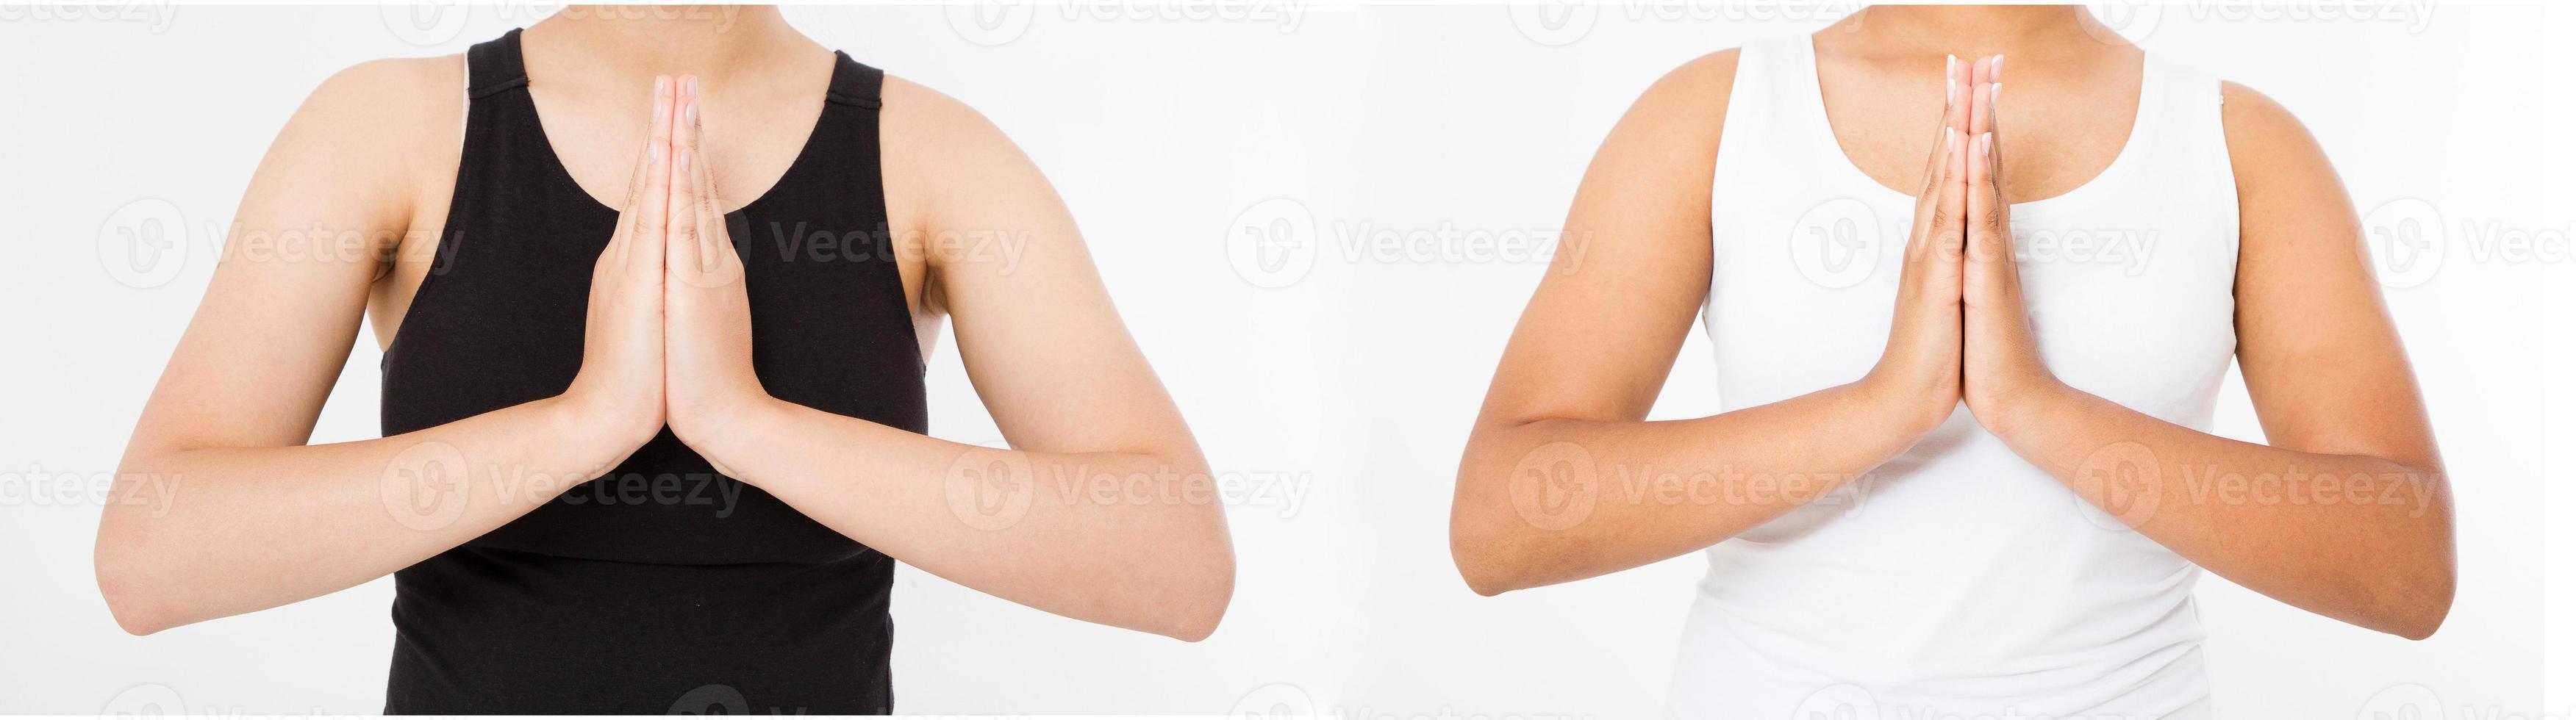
(712, 41)
(2035, 31)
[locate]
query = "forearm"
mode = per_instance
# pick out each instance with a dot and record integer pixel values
(1133, 540)
(201, 533)
(2358, 538)
(1552, 501)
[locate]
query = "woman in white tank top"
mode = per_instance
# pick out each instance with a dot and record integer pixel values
(1964, 468)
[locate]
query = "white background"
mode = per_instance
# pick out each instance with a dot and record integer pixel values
(1340, 399)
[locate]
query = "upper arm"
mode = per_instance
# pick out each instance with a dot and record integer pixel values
(2321, 358)
(1600, 334)
(327, 204)
(1009, 266)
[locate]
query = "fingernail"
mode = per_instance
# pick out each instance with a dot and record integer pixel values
(689, 113)
(680, 164)
(1994, 96)
(661, 85)
(690, 85)
(1950, 67)
(1986, 145)
(1949, 141)
(1996, 70)
(654, 154)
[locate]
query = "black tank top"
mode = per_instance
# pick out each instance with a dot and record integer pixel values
(662, 586)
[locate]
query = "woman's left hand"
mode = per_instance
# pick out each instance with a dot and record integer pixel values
(1999, 362)
(707, 371)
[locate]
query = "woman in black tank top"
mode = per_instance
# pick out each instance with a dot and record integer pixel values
(652, 593)
(685, 578)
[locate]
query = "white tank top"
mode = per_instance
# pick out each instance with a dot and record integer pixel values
(1957, 580)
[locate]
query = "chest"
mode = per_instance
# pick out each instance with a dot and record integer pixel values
(498, 317)
(2057, 131)
(2130, 293)
(750, 145)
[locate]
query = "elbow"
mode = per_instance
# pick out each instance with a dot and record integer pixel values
(1485, 584)
(1479, 553)
(2416, 597)
(130, 600)
(1193, 613)
(1484, 576)
(2417, 622)
(2419, 608)
(1197, 585)
(119, 562)
(1196, 620)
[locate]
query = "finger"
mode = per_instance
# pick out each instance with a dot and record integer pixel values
(649, 214)
(706, 258)
(1979, 116)
(1994, 122)
(1938, 214)
(1962, 78)
(683, 250)
(620, 239)
(1989, 235)
(715, 246)
(1953, 100)
(1951, 203)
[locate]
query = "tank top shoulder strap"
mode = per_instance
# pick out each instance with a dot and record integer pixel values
(503, 135)
(855, 84)
(2182, 133)
(1775, 115)
(494, 66)
(1774, 100)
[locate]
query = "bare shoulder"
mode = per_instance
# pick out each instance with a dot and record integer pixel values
(1656, 166)
(1695, 89)
(1683, 110)
(373, 131)
(935, 143)
(947, 163)
(950, 170)
(2293, 213)
(917, 115)
(399, 99)
(2266, 144)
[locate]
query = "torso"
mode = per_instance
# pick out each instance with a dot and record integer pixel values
(595, 131)
(662, 586)
(2081, 112)
(1957, 578)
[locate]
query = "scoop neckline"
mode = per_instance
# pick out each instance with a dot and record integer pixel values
(1823, 134)
(804, 153)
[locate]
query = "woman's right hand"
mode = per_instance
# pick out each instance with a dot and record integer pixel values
(1920, 369)
(619, 387)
